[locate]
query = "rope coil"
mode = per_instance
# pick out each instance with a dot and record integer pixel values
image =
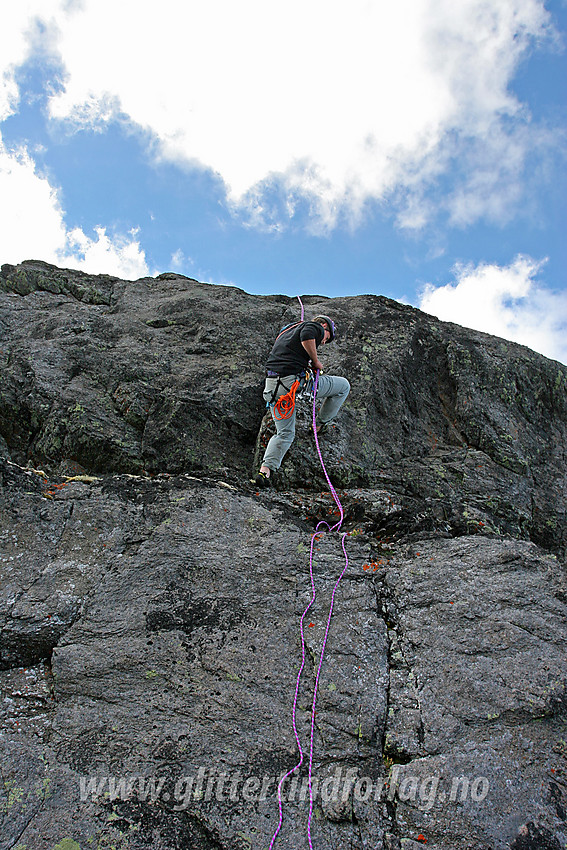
(285, 405)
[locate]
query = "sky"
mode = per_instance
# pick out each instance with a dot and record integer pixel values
(414, 149)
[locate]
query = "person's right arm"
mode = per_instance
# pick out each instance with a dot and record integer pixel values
(311, 349)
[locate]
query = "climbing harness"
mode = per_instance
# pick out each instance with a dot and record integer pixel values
(314, 537)
(285, 405)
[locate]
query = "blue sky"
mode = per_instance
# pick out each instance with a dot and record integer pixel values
(415, 150)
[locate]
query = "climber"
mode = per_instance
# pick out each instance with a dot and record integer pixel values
(287, 371)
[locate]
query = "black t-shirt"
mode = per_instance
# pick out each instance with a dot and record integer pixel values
(288, 356)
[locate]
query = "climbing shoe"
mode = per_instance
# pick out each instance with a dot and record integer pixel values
(323, 428)
(262, 480)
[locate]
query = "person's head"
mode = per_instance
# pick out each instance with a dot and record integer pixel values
(329, 327)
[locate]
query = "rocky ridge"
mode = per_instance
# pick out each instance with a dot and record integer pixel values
(151, 597)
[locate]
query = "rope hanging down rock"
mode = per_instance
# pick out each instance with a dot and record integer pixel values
(314, 537)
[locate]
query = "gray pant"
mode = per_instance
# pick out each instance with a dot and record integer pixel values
(331, 388)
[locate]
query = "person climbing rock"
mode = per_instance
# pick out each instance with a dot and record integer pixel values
(287, 368)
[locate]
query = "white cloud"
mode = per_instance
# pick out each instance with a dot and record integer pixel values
(20, 37)
(121, 255)
(31, 218)
(506, 301)
(323, 101)
(32, 226)
(179, 261)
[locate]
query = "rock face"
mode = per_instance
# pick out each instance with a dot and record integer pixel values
(151, 598)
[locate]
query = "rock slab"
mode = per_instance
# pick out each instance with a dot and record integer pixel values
(151, 599)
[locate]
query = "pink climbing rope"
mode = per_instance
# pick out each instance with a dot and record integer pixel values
(314, 537)
(336, 527)
(296, 767)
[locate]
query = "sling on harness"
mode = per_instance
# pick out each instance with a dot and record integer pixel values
(288, 328)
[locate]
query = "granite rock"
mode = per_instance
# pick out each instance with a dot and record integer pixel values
(151, 597)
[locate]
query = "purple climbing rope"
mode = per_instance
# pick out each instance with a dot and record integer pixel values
(314, 537)
(296, 767)
(336, 527)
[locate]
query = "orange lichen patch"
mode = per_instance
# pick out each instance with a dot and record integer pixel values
(373, 565)
(53, 489)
